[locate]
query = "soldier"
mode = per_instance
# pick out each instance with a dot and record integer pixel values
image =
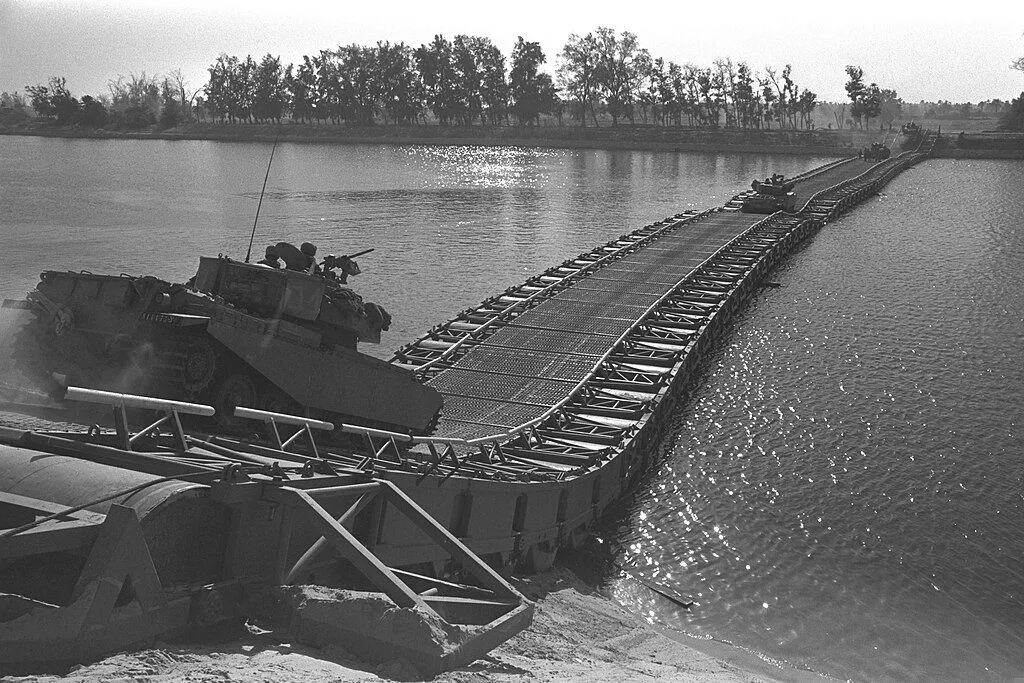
(309, 250)
(328, 265)
(271, 258)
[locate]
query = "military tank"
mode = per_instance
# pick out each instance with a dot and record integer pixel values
(774, 194)
(876, 152)
(236, 334)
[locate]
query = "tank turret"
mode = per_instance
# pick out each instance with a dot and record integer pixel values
(875, 152)
(773, 194)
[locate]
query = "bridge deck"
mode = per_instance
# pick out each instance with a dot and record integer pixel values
(536, 360)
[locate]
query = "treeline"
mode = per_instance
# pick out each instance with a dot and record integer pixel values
(943, 109)
(602, 76)
(460, 82)
(466, 81)
(132, 102)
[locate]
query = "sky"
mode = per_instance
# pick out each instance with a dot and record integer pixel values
(941, 53)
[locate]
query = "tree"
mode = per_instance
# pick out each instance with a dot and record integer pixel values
(216, 89)
(359, 75)
(619, 64)
(725, 76)
(641, 87)
(578, 74)
(530, 91)
(768, 97)
(269, 95)
(746, 97)
(494, 88)
(134, 100)
(437, 70)
(39, 98)
(92, 114)
(891, 107)
(665, 103)
(399, 86)
(333, 85)
(12, 107)
(186, 96)
(12, 101)
(170, 110)
(871, 103)
(303, 88)
(688, 93)
(705, 82)
(242, 88)
(856, 91)
(786, 95)
(62, 104)
(467, 85)
(1013, 117)
(805, 105)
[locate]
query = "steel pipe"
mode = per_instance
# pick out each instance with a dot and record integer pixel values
(112, 398)
(282, 418)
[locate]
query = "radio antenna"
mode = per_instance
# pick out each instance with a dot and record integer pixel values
(248, 253)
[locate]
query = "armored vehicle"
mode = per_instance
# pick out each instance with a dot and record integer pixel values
(771, 195)
(876, 152)
(236, 334)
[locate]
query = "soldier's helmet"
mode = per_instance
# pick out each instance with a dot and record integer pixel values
(308, 249)
(271, 252)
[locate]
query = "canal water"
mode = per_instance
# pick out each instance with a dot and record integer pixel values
(846, 490)
(843, 492)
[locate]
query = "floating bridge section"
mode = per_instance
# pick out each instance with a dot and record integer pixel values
(563, 372)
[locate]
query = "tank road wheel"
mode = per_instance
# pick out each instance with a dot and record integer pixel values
(237, 389)
(199, 366)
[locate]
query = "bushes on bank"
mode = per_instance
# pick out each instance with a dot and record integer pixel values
(1013, 118)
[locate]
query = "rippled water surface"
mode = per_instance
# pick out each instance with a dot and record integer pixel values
(844, 490)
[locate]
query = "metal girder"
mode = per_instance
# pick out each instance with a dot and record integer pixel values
(92, 623)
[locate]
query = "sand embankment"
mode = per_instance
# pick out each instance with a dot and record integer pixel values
(577, 634)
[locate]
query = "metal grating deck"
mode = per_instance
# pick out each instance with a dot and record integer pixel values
(494, 413)
(536, 391)
(533, 339)
(535, 360)
(522, 363)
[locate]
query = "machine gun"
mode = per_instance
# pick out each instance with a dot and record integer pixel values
(345, 263)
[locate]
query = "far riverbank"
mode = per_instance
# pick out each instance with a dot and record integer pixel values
(653, 138)
(975, 145)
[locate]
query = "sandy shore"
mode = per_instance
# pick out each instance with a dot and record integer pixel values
(577, 634)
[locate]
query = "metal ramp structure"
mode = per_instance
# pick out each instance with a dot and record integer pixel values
(111, 540)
